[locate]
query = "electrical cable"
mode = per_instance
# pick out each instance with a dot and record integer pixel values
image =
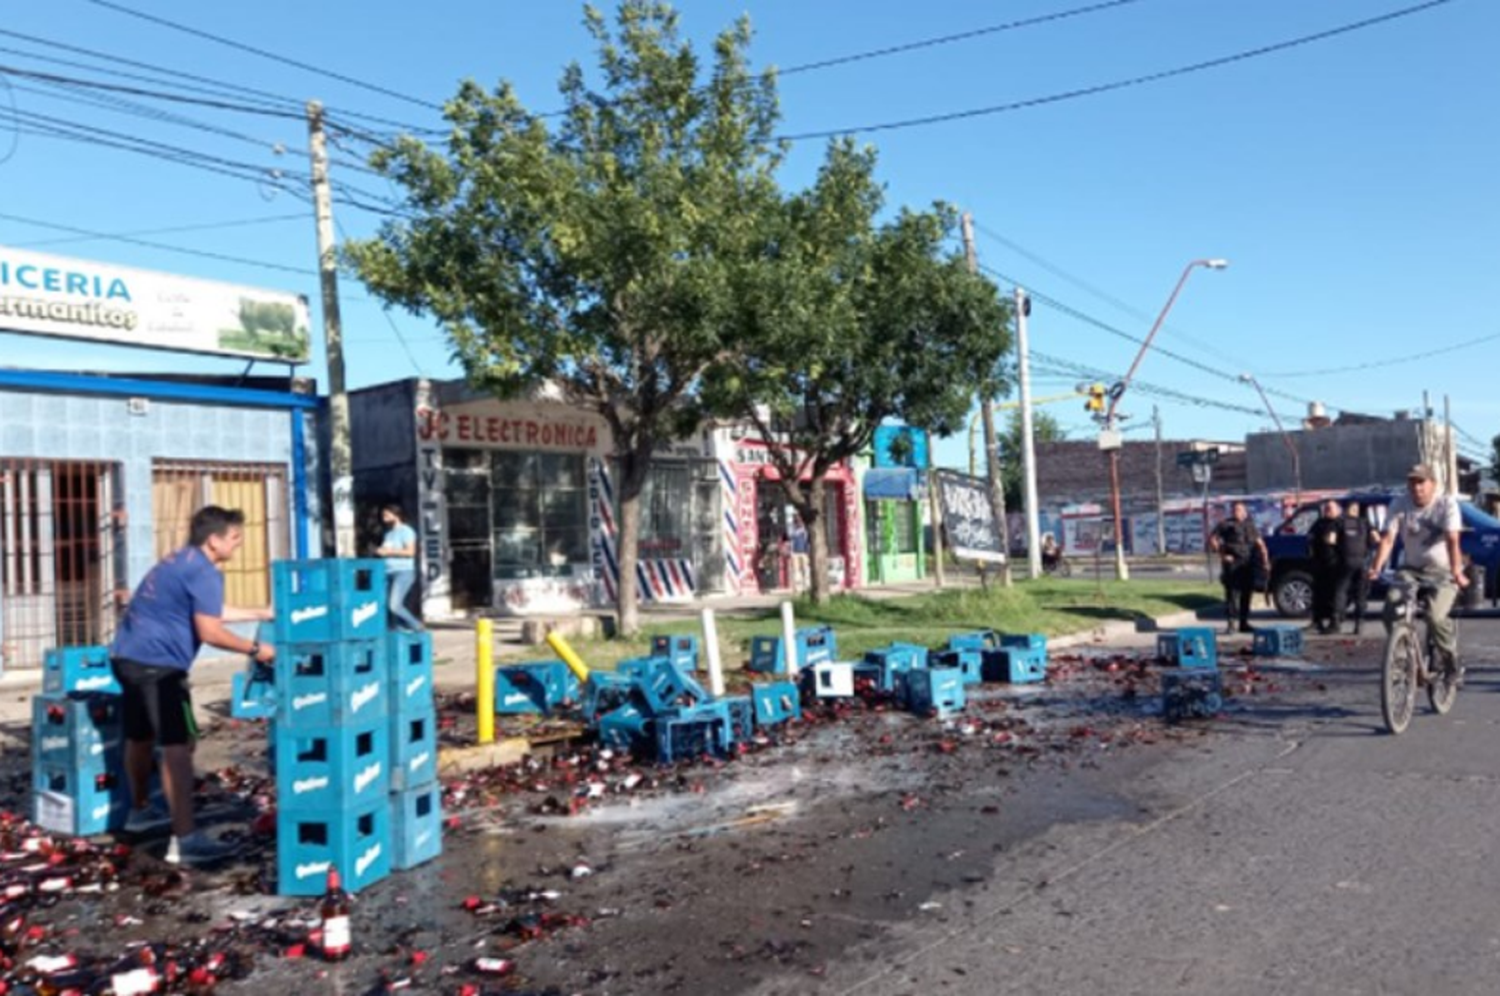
(164, 247)
(1392, 361)
(210, 226)
(385, 310)
(284, 60)
(1090, 91)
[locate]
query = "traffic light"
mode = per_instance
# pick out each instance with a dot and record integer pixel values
(1095, 403)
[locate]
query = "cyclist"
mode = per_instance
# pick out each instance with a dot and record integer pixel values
(1428, 525)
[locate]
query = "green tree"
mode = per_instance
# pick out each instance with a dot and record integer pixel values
(599, 255)
(849, 322)
(1044, 429)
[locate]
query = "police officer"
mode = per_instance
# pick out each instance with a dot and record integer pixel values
(1356, 537)
(1323, 540)
(1235, 540)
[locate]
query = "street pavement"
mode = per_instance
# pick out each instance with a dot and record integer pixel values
(1298, 849)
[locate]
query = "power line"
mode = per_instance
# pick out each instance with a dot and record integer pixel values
(1392, 361)
(210, 226)
(1133, 81)
(135, 91)
(243, 47)
(164, 247)
(950, 39)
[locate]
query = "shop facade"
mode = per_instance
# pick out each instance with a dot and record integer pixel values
(99, 477)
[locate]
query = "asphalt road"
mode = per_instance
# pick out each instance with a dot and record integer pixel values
(1297, 849)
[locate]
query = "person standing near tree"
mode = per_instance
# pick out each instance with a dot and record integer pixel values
(399, 548)
(1323, 540)
(178, 607)
(1236, 541)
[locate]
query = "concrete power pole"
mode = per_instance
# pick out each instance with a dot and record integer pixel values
(1161, 502)
(991, 446)
(1450, 452)
(1028, 438)
(341, 459)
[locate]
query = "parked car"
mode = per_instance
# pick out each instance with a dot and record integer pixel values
(1291, 562)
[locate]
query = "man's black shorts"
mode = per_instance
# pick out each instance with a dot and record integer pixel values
(157, 703)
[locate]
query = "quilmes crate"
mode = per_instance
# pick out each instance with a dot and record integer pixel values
(416, 826)
(534, 687)
(815, 645)
(78, 670)
(680, 650)
(357, 841)
(334, 769)
(935, 690)
(320, 685)
(979, 639)
(252, 694)
(628, 729)
(968, 660)
(1190, 646)
(775, 702)
(327, 600)
(666, 685)
(741, 717)
(414, 749)
(894, 660)
(1025, 641)
(78, 733)
(1191, 693)
(693, 732)
(408, 661)
(1277, 641)
(67, 799)
(1017, 665)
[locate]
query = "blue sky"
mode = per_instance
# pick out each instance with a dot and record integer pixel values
(1351, 182)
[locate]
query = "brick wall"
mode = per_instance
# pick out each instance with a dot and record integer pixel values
(1076, 471)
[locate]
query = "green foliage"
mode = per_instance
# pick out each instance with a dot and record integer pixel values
(1044, 429)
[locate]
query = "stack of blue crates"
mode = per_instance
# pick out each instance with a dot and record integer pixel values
(77, 757)
(332, 728)
(416, 799)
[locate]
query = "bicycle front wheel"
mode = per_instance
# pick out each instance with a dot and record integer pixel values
(1398, 685)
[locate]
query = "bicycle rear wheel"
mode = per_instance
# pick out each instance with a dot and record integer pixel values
(1398, 679)
(1442, 690)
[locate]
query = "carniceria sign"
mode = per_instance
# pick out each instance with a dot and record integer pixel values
(49, 295)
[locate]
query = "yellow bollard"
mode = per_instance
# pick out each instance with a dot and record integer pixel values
(574, 662)
(484, 679)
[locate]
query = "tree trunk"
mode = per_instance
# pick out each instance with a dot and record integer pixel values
(632, 482)
(817, 540)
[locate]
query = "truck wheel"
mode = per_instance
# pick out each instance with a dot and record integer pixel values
(1293, 594)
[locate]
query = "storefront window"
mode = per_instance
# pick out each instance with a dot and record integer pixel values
(539, 513)
(666, 511)
(903, 531)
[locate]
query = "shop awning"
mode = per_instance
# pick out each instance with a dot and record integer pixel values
(893, 483)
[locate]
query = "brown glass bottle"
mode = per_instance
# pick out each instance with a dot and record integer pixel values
(337, 935)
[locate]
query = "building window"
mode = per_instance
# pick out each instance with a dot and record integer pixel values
(902, 516)
(666, 512)
(180, 488)
(539, 504)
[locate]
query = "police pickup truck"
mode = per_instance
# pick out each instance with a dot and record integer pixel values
(1291, 554)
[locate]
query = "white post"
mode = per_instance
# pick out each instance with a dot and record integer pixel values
(711, 648)
(1028, 439)
(789, 641)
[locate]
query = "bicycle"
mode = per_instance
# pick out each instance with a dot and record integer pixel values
(1057, 565)
(1411, 656)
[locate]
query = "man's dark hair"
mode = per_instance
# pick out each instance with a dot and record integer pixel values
(211, 520)
(394, 510)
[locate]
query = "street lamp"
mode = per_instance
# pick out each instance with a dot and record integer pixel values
(1122, 572)
(1291, 447)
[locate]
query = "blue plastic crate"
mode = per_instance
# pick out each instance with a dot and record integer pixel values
(252, 695)
(322, 685)
(667, 686)
(1017, 665)
(693, 732)
(979, 639)
(79, 802)
(1277, 641)
(356, 841)
(680, 650)
(894, 660)
(328, 600)
(335, 768)
(1191, 693)
(741, 717)
(414, 749)
(968, 660)
(935, 690)
(408, 661)
(775, 703)
(1025, 641)
(534, 687)
(416, 826)
(815, 645)
(83, 734)
(605, 692)
(626, 728)
(78, 669)
(766, 656)
(1191, 646)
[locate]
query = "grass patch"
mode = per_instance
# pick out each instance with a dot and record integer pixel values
(1052, 606)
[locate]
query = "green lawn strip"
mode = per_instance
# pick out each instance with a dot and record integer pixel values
(1054, 607)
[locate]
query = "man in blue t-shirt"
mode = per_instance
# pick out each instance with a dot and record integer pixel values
(399, 548)
(178, 607)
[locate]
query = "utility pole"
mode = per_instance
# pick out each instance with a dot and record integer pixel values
(1161, 502)
(341, 460)
(991, 446)
(935, 511)
(1028, 440)
(1450, 452)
